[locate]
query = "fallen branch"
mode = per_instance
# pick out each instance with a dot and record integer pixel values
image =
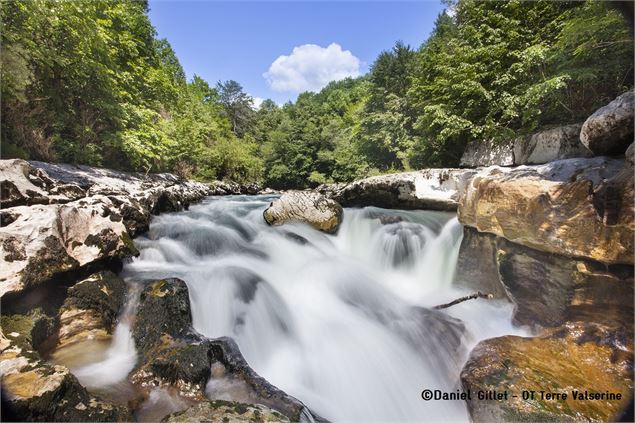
(479, 294)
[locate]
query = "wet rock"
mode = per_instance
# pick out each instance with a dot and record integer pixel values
(91, 308)
(34, 390)
(225, 411)
(33, 328)
(428, 189)
(574, 207)
(547, 289)
(172, 354)
(477, 264)
(308, 207)
(609, 131)
(577, 356)
(164, 309)
(385, 219)
(234, 188)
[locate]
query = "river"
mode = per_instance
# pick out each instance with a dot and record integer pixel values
(342, 322)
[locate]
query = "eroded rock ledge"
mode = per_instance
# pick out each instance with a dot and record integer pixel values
(58, 218)
(428, 189)
(575, 207)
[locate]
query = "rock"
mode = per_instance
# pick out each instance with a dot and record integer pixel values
(46, 240)
(308, 207)
(91, 308)
(57, 218)
(164, 309)
(542, 147)
(554, 144)
(21, 184)
(429, 189)
(234, 188)
(477, 264)
(34, 390)
(630, 155)
(225, 411)
(547, 289)
(578, 356)
(172, 354)
(488, 153)
(574, 207)
(609, 131)
(34, 327)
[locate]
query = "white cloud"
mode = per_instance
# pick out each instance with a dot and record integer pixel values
(310, 67)
(257, 102)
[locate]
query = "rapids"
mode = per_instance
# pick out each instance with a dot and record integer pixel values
(342, 322)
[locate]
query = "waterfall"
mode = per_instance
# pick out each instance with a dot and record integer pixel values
(342, 322)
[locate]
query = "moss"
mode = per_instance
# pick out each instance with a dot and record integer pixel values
(131, 249)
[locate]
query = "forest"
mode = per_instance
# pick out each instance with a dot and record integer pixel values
(91, 83)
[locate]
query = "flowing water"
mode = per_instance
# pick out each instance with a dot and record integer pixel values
(342, 322)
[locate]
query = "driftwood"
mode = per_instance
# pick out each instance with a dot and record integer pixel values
(474, 296)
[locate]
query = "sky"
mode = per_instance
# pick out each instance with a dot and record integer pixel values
(277, 49)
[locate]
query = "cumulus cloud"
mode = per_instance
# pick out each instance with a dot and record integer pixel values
(310, 67)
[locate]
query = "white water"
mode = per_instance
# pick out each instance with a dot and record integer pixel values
(340, 322)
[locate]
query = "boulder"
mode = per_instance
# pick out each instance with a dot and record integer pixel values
(34, 390)
(173, 355)
(57, 218)
(429, 189)
(574, 207)
(46, 240)
(225, 411)
(22, 184)
(558, 143)
(554, 144)
(309, 207)
(547, 289)
(575, 357)
(91, 308)
(488, 153)
(164, 309)
(609, 131)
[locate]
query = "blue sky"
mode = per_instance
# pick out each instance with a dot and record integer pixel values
(277, 49)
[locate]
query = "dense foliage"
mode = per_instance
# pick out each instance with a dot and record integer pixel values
(89, 82)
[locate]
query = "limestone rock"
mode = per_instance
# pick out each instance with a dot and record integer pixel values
(56, 217)
(429, 189)
(488, 153)
(224, 411)
(554, 144)
(578, 356)
(609, 131)
(91, 308)
(573, 207)
(34, 390)
(547, 289)
(46, 240)
(558, 143)
(309, 207)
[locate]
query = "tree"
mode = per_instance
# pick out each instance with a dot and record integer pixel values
(239, 106)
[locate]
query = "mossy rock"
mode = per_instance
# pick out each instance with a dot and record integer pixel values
(225, 411)
(577, 356)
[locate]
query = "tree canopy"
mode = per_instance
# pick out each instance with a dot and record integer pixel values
(90, 82)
